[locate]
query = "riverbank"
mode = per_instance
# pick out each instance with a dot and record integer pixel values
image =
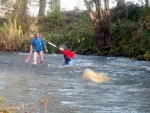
(130, 33)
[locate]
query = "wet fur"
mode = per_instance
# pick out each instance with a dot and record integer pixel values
(95, 77)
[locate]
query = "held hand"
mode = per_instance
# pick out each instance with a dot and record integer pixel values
(46, 50)
(61, 49)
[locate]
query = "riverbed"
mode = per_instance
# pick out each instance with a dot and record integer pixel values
(26, 84)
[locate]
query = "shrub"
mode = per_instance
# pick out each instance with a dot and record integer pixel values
(11, 36)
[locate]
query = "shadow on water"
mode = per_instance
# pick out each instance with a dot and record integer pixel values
(27, 84)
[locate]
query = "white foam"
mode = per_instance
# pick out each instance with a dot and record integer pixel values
(21, 53)
(146, 67)
(67, 103)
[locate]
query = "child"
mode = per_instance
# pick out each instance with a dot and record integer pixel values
(37, 44)
(68, 56)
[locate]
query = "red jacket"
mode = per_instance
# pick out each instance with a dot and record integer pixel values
(68, 54)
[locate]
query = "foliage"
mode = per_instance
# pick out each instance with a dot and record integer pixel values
(51, 21)
(132, 35)
(100, 15)
(20, 14)
(10, 33)
(130, 12)
(130, 29)
(74, 29)
(11, 36)
(1, 100)
(2, 21)
(17, 27)
(3, 1)
(54, 5)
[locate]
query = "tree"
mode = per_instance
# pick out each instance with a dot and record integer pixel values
(54, 5)
(120, 3)
(101, 20)
(146, 3)
(18, 11)
(42, 7)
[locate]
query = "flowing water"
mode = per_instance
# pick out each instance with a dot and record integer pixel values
(27, 84)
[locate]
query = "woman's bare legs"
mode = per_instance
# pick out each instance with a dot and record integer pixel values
(35, 57)
(41, 57)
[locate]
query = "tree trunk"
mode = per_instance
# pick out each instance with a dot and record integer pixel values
(102, 22)
(99, 33)
(24, 7)
(91, 14)
(42, 7)
(146, 3)
(108, 31)
(120, 3)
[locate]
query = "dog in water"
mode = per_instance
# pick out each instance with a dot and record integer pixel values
(95, 77)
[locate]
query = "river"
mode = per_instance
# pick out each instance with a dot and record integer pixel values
(128, 91)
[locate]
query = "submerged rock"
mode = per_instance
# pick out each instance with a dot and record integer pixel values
(95, 77)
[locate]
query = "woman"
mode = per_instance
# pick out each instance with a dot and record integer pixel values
(37, 44)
